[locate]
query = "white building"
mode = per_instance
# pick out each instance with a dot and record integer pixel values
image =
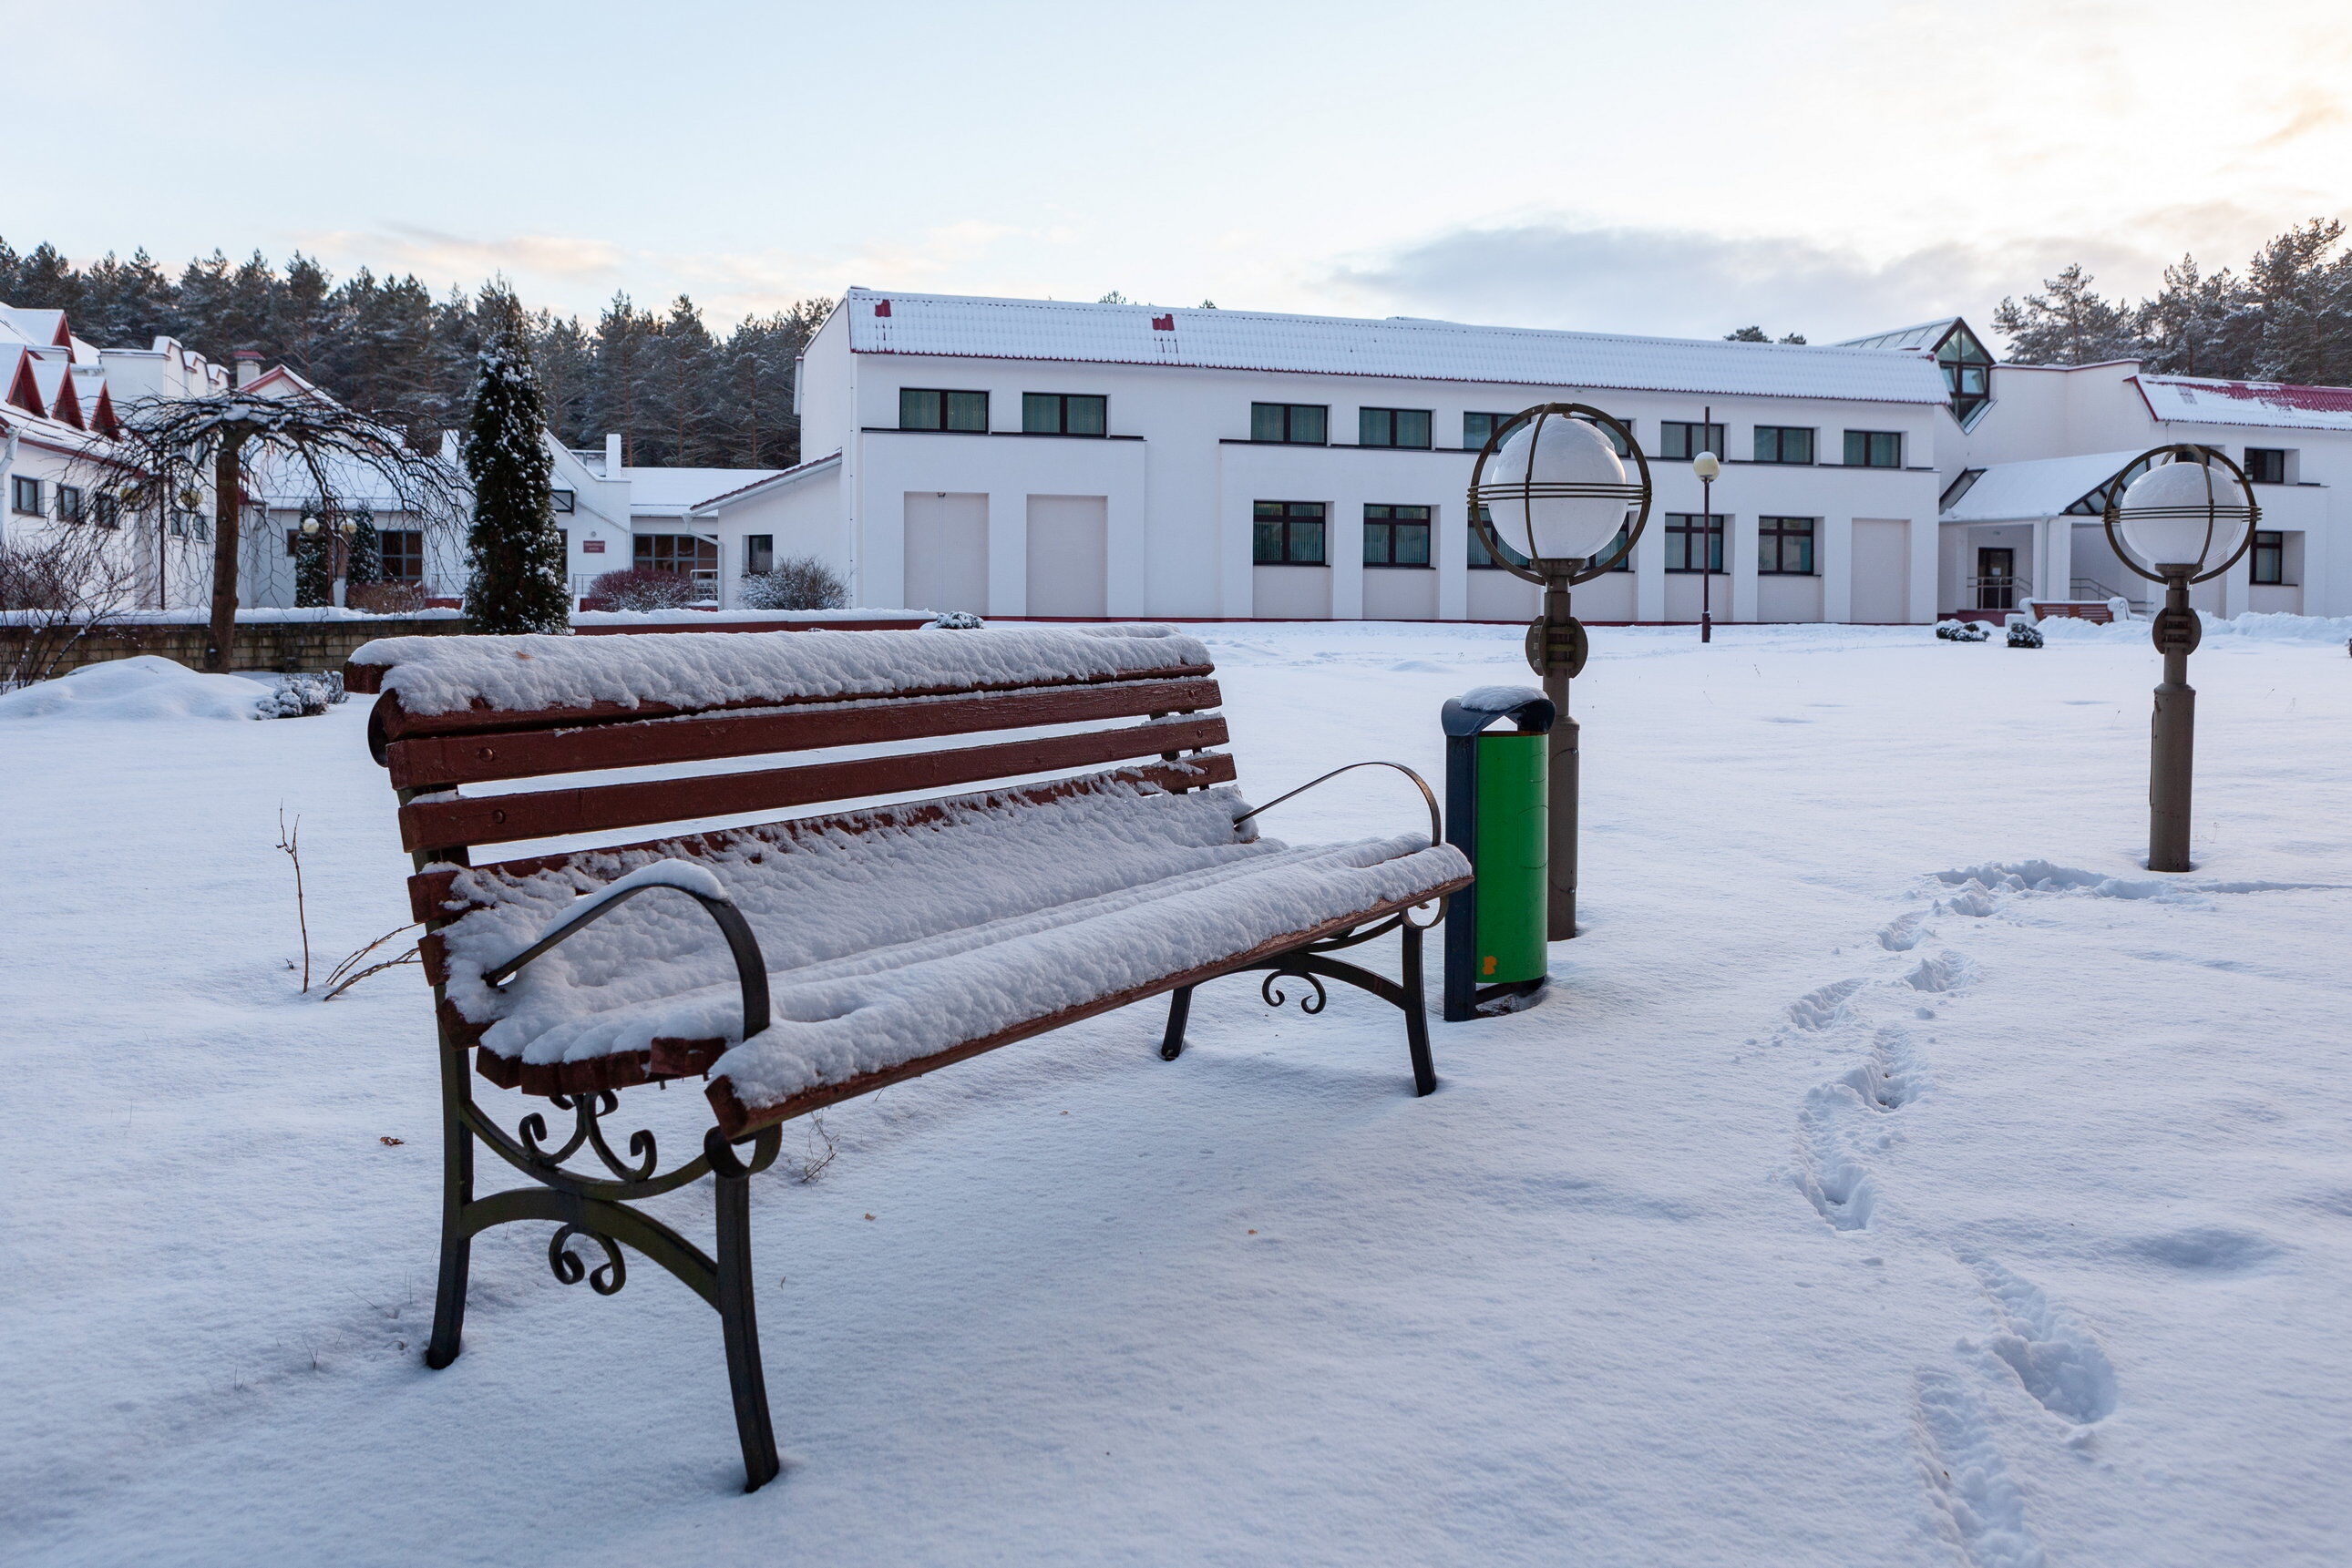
(1030, 457)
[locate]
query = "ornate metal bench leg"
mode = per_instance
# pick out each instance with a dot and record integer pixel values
(738, 1318)
(456, 1192)
(1416, 1015)
(1179, 1008)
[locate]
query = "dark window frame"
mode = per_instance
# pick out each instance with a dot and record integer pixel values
(69, 509)
(1495, 421)
(1778, 437)
(1035, 404)
(1393, 518)
(1776, 538)
(943, 409)
(2266, 560)
(1963, 358)
(1870, 447)
(400, 547)
(1288, 421)
(648, 552)
(24, 495)
(564, 501)
(1384, 422)
(1674, 433)
(758, 553)
(106, 511)
(2266, 464)
(1287, 528)
(1479, 560)
(1684, 526)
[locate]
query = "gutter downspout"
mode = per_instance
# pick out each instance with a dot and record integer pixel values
(8, 466)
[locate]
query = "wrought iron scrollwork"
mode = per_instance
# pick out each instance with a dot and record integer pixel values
(1270, 990)
(588, 1109)
(608, 1276)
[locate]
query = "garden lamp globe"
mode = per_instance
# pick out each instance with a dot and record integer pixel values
(1707, 465)
(1555, 490)
(309, 525)
(2183, 514)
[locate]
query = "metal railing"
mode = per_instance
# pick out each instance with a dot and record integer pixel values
(1999, 593)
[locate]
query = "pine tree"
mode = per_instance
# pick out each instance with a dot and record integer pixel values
(1746, 335)
(2070, 324)
(363, 553)
(314, 569)
(516, 581)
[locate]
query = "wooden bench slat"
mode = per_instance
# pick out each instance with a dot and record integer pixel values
(430, 892)
(555, 813)
(390, 721)
(434, 762)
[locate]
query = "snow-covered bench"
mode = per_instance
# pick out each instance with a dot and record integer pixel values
(809, 958)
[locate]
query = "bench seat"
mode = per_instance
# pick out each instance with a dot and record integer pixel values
(894, 938)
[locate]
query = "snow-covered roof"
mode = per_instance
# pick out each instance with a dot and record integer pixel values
(45, 328)
(784, 477)
(1410, 348)
(679, 489)
(2045, 488)
(2192, 399)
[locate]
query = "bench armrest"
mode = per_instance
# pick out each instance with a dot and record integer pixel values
(1436, 821)
(696, 883)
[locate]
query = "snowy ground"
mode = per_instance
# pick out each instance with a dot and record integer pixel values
(1835, 1211)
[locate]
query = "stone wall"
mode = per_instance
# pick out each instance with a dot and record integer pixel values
(282, 645)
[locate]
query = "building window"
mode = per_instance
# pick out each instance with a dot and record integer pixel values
(1477, 427)
(1873, 449)
(1396, 536)
(68, 503)
(24, 495)
(1289, 533)
(2270, 554)
(1692, 540)
(1783, 443)
(106, 510)
(926, 408)
(2266, 465)
(685, 554)
(403, 554)
(1968, 374)
(759, 552)
(1681, 440)
(1624, 562)
(1064, 413)
(565, 500)
(1298, 423)
(293, 540)
(1784, 546)
(1392, 427)
(1478, 556)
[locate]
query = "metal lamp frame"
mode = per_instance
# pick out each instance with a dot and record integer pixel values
(1557, 646)
(2172, 725)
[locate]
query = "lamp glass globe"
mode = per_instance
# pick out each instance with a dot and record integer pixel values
(1549, 451)
(2184, 514)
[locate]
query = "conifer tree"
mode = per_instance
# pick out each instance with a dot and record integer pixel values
(516, 577)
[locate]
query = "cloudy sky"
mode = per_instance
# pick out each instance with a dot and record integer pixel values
(1679, 166)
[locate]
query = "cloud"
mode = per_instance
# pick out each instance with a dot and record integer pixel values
(446, 257)
(2308, 109)
(1693, 282)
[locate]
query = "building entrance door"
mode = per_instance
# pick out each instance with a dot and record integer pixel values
(1996, 578)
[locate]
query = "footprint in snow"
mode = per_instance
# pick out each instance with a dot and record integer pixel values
(2054, 1355)
(1836, 1183)
(1978, 1508)
(1823, 1007)
(1902, 934)
(1892, 1078)
(1946, 971)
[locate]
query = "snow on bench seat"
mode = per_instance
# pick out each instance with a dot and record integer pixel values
(897, 934)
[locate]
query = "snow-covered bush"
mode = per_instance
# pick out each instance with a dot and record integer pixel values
(303, 697)
(642, 588)
(2022, 634)
(955, 621)
(1963, 631)
(798, 583)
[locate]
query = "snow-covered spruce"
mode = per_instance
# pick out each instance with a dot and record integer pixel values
(515, 553)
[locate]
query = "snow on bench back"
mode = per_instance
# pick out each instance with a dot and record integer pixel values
(690, 670)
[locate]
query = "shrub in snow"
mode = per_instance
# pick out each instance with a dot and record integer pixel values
(515, 580)
(801, 583)
(2022, 634)
(394, 598)
(302, 696)
(642, 588)
(146, 686)
(314, 569)
(955, 621)
(1962, 631)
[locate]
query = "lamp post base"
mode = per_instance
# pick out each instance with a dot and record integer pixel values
(2172, 734)
(1557, 652)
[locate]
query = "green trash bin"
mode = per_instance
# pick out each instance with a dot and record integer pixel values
(1497, 799)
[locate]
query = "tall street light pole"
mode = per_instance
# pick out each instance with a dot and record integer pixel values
(1707, 465)
(2192, 505)
(1548, 498)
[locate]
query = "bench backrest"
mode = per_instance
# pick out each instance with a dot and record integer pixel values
(459, 710)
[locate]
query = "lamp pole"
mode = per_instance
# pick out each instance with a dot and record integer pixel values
(2177, 516)
(1707, 465)
(1559, 485)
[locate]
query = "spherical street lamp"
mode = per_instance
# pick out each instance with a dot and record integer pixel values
(1549, 491)
(1707, 465)
(2191, 507)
